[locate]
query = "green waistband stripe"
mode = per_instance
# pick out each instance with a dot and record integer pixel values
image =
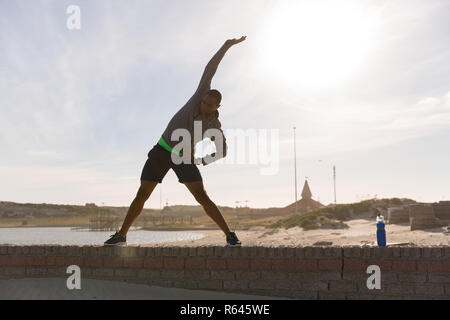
(163, 144)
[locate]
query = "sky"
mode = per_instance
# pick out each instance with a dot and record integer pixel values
(365, 83)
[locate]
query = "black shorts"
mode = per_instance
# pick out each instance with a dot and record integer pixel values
(160, 161)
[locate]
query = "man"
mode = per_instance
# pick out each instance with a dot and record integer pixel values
(200, 109)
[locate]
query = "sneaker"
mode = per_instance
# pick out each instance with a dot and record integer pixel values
(232, 240)
(116, 240)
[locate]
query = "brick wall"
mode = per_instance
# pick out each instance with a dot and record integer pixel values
(302, 273)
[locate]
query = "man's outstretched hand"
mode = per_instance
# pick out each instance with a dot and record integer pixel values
(232, 42)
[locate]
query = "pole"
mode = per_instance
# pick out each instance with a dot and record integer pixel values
(160, 197)
(334, 179)
(295, 170)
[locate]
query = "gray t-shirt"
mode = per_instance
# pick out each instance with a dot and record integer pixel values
(191, 111)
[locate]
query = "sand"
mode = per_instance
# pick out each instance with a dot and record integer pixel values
(360, 232)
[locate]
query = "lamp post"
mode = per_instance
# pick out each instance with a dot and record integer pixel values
(295, 169)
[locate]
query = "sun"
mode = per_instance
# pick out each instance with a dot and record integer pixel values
(315, 43)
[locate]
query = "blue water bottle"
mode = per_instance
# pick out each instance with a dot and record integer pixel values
(381, 232)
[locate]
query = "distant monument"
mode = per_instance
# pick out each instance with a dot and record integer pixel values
(306, 203)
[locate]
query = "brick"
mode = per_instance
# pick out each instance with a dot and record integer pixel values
(15, 250)
(36, 271)
(385, 265)
(352, 252)
(355, 264)
(153, 263)
(299, 253)
(330, 264)
(446, 253)
(185, 284)
(210, 284)
(14, 271)
(261, 264)
(315, 286)
(195, 263)
(148, 273)
(447, 289)
(238, 264)
(172, 274)
(305, 295)
(125, 273)
(167, 252)
(247, 275)
(290, 252)
(219, 251)
(78, 261)
(404, 266)
(331, 296)
(273, 275)
(306, 265)
(401, 289)
(266, 285)
(216, 264)
(281, 293)
(333, 252)
(314, 276)
(152, 252)
(201, 251)
(35, 261)
(355, 275)
(261, 252)
(197, 274)
(287, 285)
(430, 266)
(37, 250)
(247, 252)
(381, 252)
(222, 275)
(103, 272)
(184, 252)
(343, 286)
(430, 289)
(232, 284)
(57, 272)
(113, 262)
(133, 262)
(193, 252)
(411, 253)
(414, 277)
(363, 289)
(209, 251)
(439, 277)
(367, 252)
(270, 252)
(93, 262)
(280, 252)
(396, 252)
(141, 251)
(283, 264)
(389, 277)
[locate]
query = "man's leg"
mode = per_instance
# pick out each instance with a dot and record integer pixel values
(199, 193)
(137, 205)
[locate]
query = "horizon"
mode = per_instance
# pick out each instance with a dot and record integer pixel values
(364, 82)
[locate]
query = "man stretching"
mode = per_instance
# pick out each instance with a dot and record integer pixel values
(201, 108)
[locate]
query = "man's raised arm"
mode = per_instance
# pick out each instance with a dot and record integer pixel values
(211, 67)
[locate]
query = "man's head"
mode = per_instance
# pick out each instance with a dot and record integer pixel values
(211, 102)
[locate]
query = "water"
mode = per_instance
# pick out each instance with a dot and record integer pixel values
(66, 236)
